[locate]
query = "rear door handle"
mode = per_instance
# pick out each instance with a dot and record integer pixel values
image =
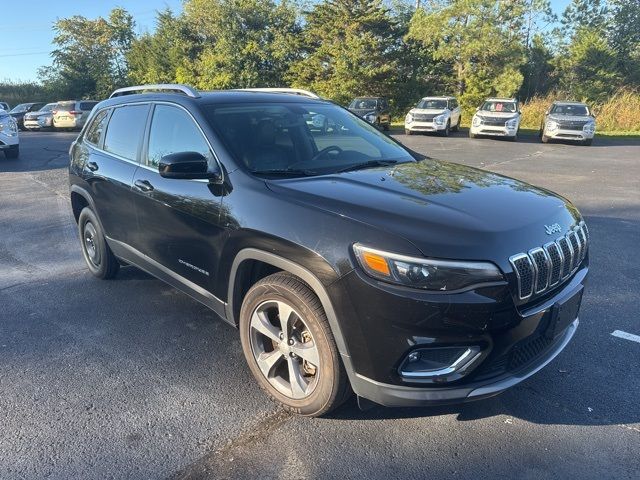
(144, 185)
(93, 166)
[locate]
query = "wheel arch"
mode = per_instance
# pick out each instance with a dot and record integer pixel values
(80, 199)
(248, 255)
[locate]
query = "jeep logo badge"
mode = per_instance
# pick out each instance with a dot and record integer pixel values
(551, 229)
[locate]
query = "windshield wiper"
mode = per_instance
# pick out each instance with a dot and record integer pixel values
(284, 171)
(369, 164)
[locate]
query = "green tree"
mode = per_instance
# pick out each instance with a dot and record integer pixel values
(90, 55)
(241, 43)
(350, 48)
(585, 14)
(538, 72)
(481, 39)
(624, 37)
(588, 70)
(162, 56)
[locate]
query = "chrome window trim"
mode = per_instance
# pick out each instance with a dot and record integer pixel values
(146, 167)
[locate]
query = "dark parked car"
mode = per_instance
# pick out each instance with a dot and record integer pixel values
(346, 260)
(374, 110)
(19, 111)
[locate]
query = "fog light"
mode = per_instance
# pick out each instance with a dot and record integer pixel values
(439, 364)
(413, 357)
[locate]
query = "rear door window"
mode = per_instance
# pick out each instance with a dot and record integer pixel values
(125, 131)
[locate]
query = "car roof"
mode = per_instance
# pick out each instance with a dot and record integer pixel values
(501, 100)
(213, 97)
(562, 102)
(439, 98)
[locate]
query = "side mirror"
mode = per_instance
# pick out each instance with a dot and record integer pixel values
(187, 166)
(477, 109)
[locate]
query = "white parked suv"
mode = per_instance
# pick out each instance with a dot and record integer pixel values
(72, 114)
(568, 121)
(496, 117)
(434, 114)
(9, 140)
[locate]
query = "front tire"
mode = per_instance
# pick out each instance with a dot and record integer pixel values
(544, 138)
(288, 344)
(588, 142)
(472, 135)
(457, 127)
(99, 258)
(408, 132)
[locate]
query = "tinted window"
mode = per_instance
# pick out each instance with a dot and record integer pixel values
(363, 103)
(94, 132)
(580, 110)
(125, 130)
(65, 106)
(173, 130)
(87, 105)
(310, 139)
(499, 106)
(431, 103)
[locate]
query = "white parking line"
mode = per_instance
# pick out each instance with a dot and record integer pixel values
(626, 336)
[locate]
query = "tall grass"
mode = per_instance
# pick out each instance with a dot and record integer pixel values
(619, 113)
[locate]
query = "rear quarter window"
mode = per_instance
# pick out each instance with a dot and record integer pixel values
(97, 127)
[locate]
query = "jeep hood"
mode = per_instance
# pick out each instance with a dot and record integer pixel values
(445, 209)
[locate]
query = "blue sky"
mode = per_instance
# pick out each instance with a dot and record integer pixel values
(26, 27)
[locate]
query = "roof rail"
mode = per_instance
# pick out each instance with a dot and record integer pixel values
(290, 91)
(160, 87)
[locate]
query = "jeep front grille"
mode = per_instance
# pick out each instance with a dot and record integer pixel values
(544, 267)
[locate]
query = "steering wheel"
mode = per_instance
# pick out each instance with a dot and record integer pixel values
(324, 151)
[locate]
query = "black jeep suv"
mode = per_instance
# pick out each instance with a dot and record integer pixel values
(346, 261)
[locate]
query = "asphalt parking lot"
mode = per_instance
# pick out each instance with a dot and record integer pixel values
(131, 379)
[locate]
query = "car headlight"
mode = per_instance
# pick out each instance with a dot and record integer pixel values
(589, 127)
(552, 125)
(512, 123)
(439, 120)
(408, 118)
(9, 126)
(476, 122)
(424, 273)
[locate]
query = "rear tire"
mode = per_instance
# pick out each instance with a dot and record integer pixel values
(95, 250)
(273, 346)
(12, 153)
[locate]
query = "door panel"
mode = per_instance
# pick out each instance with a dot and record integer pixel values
(179, 220)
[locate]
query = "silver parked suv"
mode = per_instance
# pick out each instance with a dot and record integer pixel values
(72, 114)
(568, 121)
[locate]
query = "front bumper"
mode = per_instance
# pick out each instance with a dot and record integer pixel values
(416, 126)
(576, 135)
(31, 124)
(494, 131)
(388, 322)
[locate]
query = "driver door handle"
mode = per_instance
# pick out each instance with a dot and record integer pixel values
(93, 166)
(143, 185)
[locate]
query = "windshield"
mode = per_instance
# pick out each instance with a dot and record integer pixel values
(578, 110)
(364, 104)
(47, 108)
(23, 107)
(300, 138)
(432, 104)
(499, 106)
